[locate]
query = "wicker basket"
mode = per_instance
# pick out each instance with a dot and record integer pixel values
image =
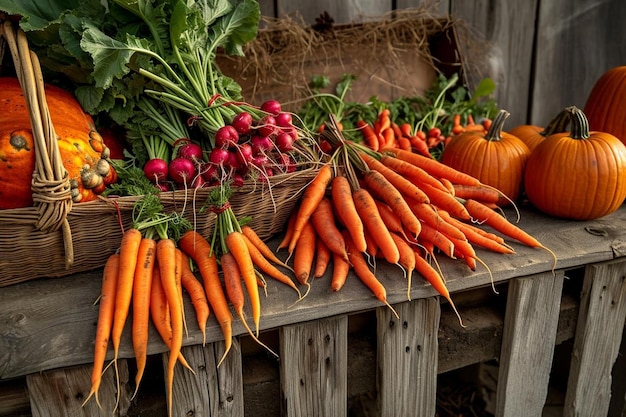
(55, 238)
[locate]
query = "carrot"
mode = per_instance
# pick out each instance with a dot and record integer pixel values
(341, 267)
(311, 197)
(473, 234)
(436, 280)
(304, 254)
(429, 215)
(263, 263)
(378, 185)
(370, 138)
(403, 185)
(366, 207)
(434, 167)
(256, 240)
(420, 145)
(323, 221)
(160, 313)
(199, 249)
(481, 193)
(105, 323)
(414, 174)
(446, 201)
(438, 239)
(166, 255)
(198, 296)
(391, 220)
(406, 130)
(366, 276)
(407, 259)
(343, 203)
(483, 214)
(387, 137)
(237, 246)
(284, 243)
(323, 255)
(449, 186)
(142, 283)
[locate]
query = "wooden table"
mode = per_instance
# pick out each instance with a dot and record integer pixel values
(47, 329)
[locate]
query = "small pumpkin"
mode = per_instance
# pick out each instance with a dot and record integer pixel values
(605, 107)
(532, 135)
(80, 145)
(495, 158)
(579, 176)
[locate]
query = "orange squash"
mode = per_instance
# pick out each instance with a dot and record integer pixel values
(82, 149)
(605, 107)
(532, 135)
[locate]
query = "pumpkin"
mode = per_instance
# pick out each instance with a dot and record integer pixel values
(605, 107)
(531, 135)
(495, 157)
(82, 149)
(579, 176)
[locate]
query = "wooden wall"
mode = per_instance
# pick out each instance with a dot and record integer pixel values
(544, 54)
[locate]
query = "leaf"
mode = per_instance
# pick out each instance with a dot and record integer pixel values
(39, 14)
(235, 29)
(485, 87)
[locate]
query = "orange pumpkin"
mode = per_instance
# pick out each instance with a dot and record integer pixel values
(532, 135)
(496, 158)
(579, 176)
(606, 105)
(81, 147)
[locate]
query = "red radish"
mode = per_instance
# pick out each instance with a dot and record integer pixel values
(244, 153)
(284, 119)
(156, 170)
(181, 170)
(260, 144)
(286, 163)
(226, 136)
(292, 131)
(208, 171)
(162, 186)
(190, 150)
(232, 161)
(284, 142)
(218, 156)
(242, 122)
(260, 160)
(238, 180)
(198, 181)
(271, 106)
(266, 126)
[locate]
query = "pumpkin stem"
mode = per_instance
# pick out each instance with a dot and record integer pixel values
(495, 131)
(559, 124)
(580, 124)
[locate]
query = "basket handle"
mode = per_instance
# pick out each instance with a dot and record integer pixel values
(50, 183)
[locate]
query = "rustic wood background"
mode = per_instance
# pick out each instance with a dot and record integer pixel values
(545, 54)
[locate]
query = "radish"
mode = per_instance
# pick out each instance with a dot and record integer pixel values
(209, 171)
(242, 122)
(286, 163)
(244, 153)
(284, 142)
(238, 180)
(226, 136)
(284, 119)
(271, 106)
(266, 126)
(218, 156)
(156, 170)
(181, 170)
(190, 150)
(260, 160)
(260, 144)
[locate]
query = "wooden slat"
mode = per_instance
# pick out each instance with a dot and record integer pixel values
(313, 369)
(530, 327)
(61, 392)
(212, 391)
(407, 358)
(598, 336)
(340, 11)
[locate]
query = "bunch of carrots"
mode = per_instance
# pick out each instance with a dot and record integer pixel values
(157, 259)
(397, 205)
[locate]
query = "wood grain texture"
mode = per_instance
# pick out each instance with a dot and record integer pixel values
(530, 328)
(407, 358)
(313, 372)
(212, 391)
(598, 336)
(347, 11)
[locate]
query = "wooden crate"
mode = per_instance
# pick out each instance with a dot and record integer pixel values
(48, 340)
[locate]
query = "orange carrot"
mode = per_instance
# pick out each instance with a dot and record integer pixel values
(436, 280)
(429, 215)
(284, 243)
(341, 194)
(434, 167)
(407, 259)
(378, 185)
(446, 201)
(406, 129)
(237, 246)
(199, 249)
(234, 286)
(438, 239)
(323, 221)
(198, 296)
(256, 240)
(404, 143)
(105, 323)
(449, 186)
(420, 146)
(263, 263)
(387, 137)
(391, 220)
(341, 267)
(311, 197)
(166, 255)
(366, 207)
(414, 174)
(304, 254)
(142, 284)
(366, 276)
(480, 193)
(323, 255)
(369, 135)
(473, 234)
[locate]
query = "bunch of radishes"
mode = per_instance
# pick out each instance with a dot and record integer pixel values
(242, 149)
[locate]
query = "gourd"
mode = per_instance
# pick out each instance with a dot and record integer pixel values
(82, 149)
(495, 158)
(605, 107)
(578, 176)
(532, 135)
